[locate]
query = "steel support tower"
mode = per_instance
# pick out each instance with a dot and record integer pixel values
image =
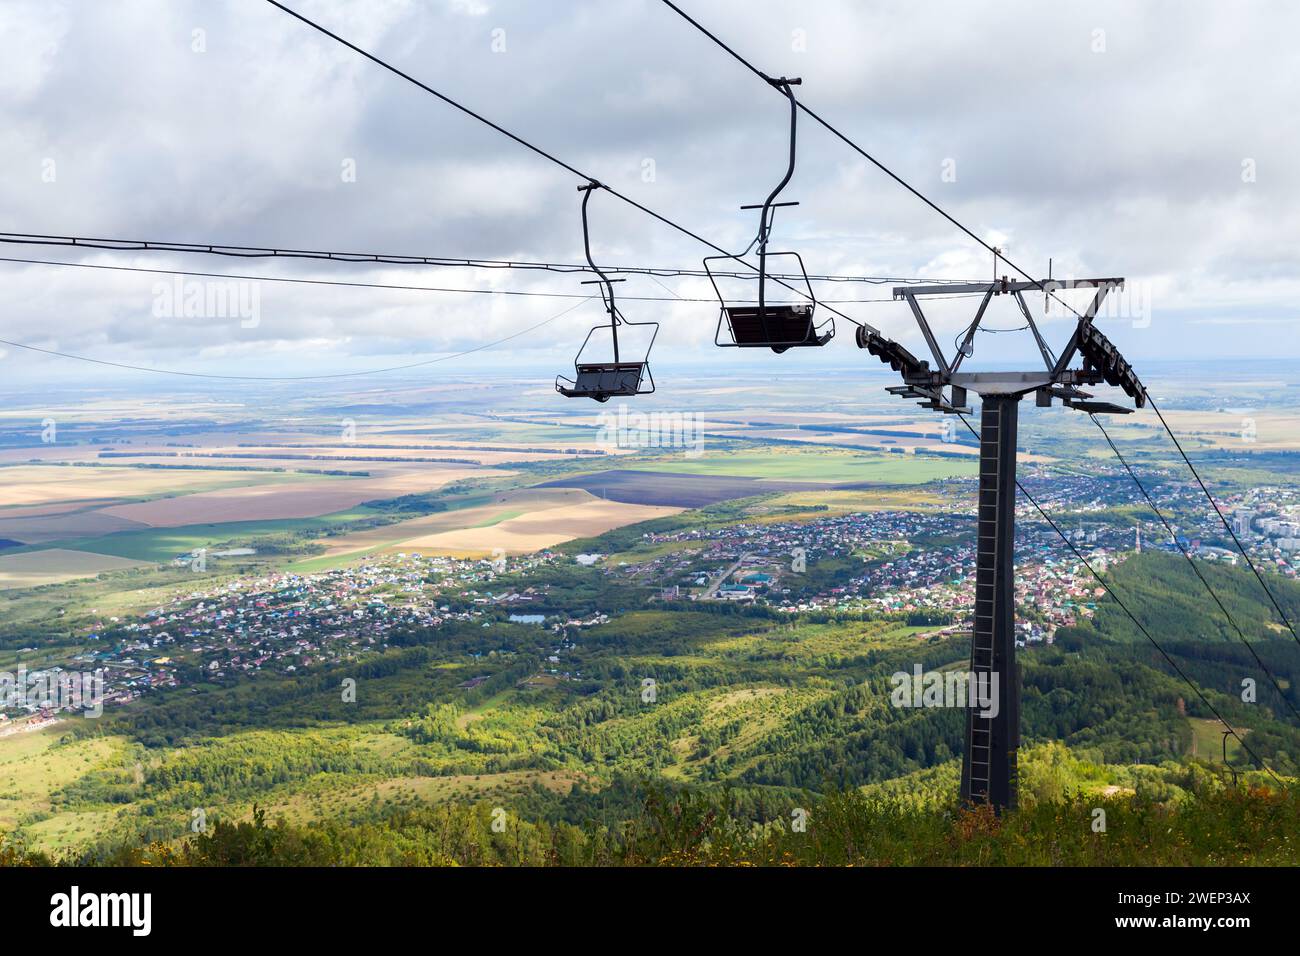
(989, 769)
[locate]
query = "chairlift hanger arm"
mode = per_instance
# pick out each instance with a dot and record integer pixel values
(586, 191)
(607, 287)
(765, 217)
(784, 86)
(603, 380)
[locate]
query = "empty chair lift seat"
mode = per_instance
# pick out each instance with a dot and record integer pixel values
(780, 327)
(603, 380)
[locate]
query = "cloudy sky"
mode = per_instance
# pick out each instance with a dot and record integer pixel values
(1152, 140)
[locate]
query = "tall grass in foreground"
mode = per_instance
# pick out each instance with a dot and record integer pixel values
(1254, 825)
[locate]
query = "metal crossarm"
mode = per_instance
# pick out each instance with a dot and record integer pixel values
(1101, 360)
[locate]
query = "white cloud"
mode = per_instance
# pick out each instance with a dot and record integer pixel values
(1124, 162)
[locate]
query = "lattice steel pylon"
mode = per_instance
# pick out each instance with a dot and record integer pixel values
(989, 770)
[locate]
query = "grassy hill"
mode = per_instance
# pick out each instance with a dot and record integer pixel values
(1175, 814)
(754, 716)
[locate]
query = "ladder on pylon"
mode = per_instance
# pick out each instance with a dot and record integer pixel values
(988, 766)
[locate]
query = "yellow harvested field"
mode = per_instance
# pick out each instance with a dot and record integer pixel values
(856, 502)
(292, 499)
(511, 522)
(41, 484)
(360, 456)
(503, 503)
(357, 459)
(1247, 429)
(55, 566)
(536, 530)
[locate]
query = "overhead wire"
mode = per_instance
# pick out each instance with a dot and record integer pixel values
(538, 150)
(1169, 529)
(576, 172)
(383, 258)
(673, 297)
(1041, 284)
(1228, 525)
(296, 378)
(1131, 616)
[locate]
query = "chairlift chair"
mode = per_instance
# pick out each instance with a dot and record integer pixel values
(603, 380)
(768, 325)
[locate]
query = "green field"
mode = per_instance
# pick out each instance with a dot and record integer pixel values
(330, 562)
(498, 518)
(1207, 741)
(824, 466)
(34, 767)
(163, 544)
